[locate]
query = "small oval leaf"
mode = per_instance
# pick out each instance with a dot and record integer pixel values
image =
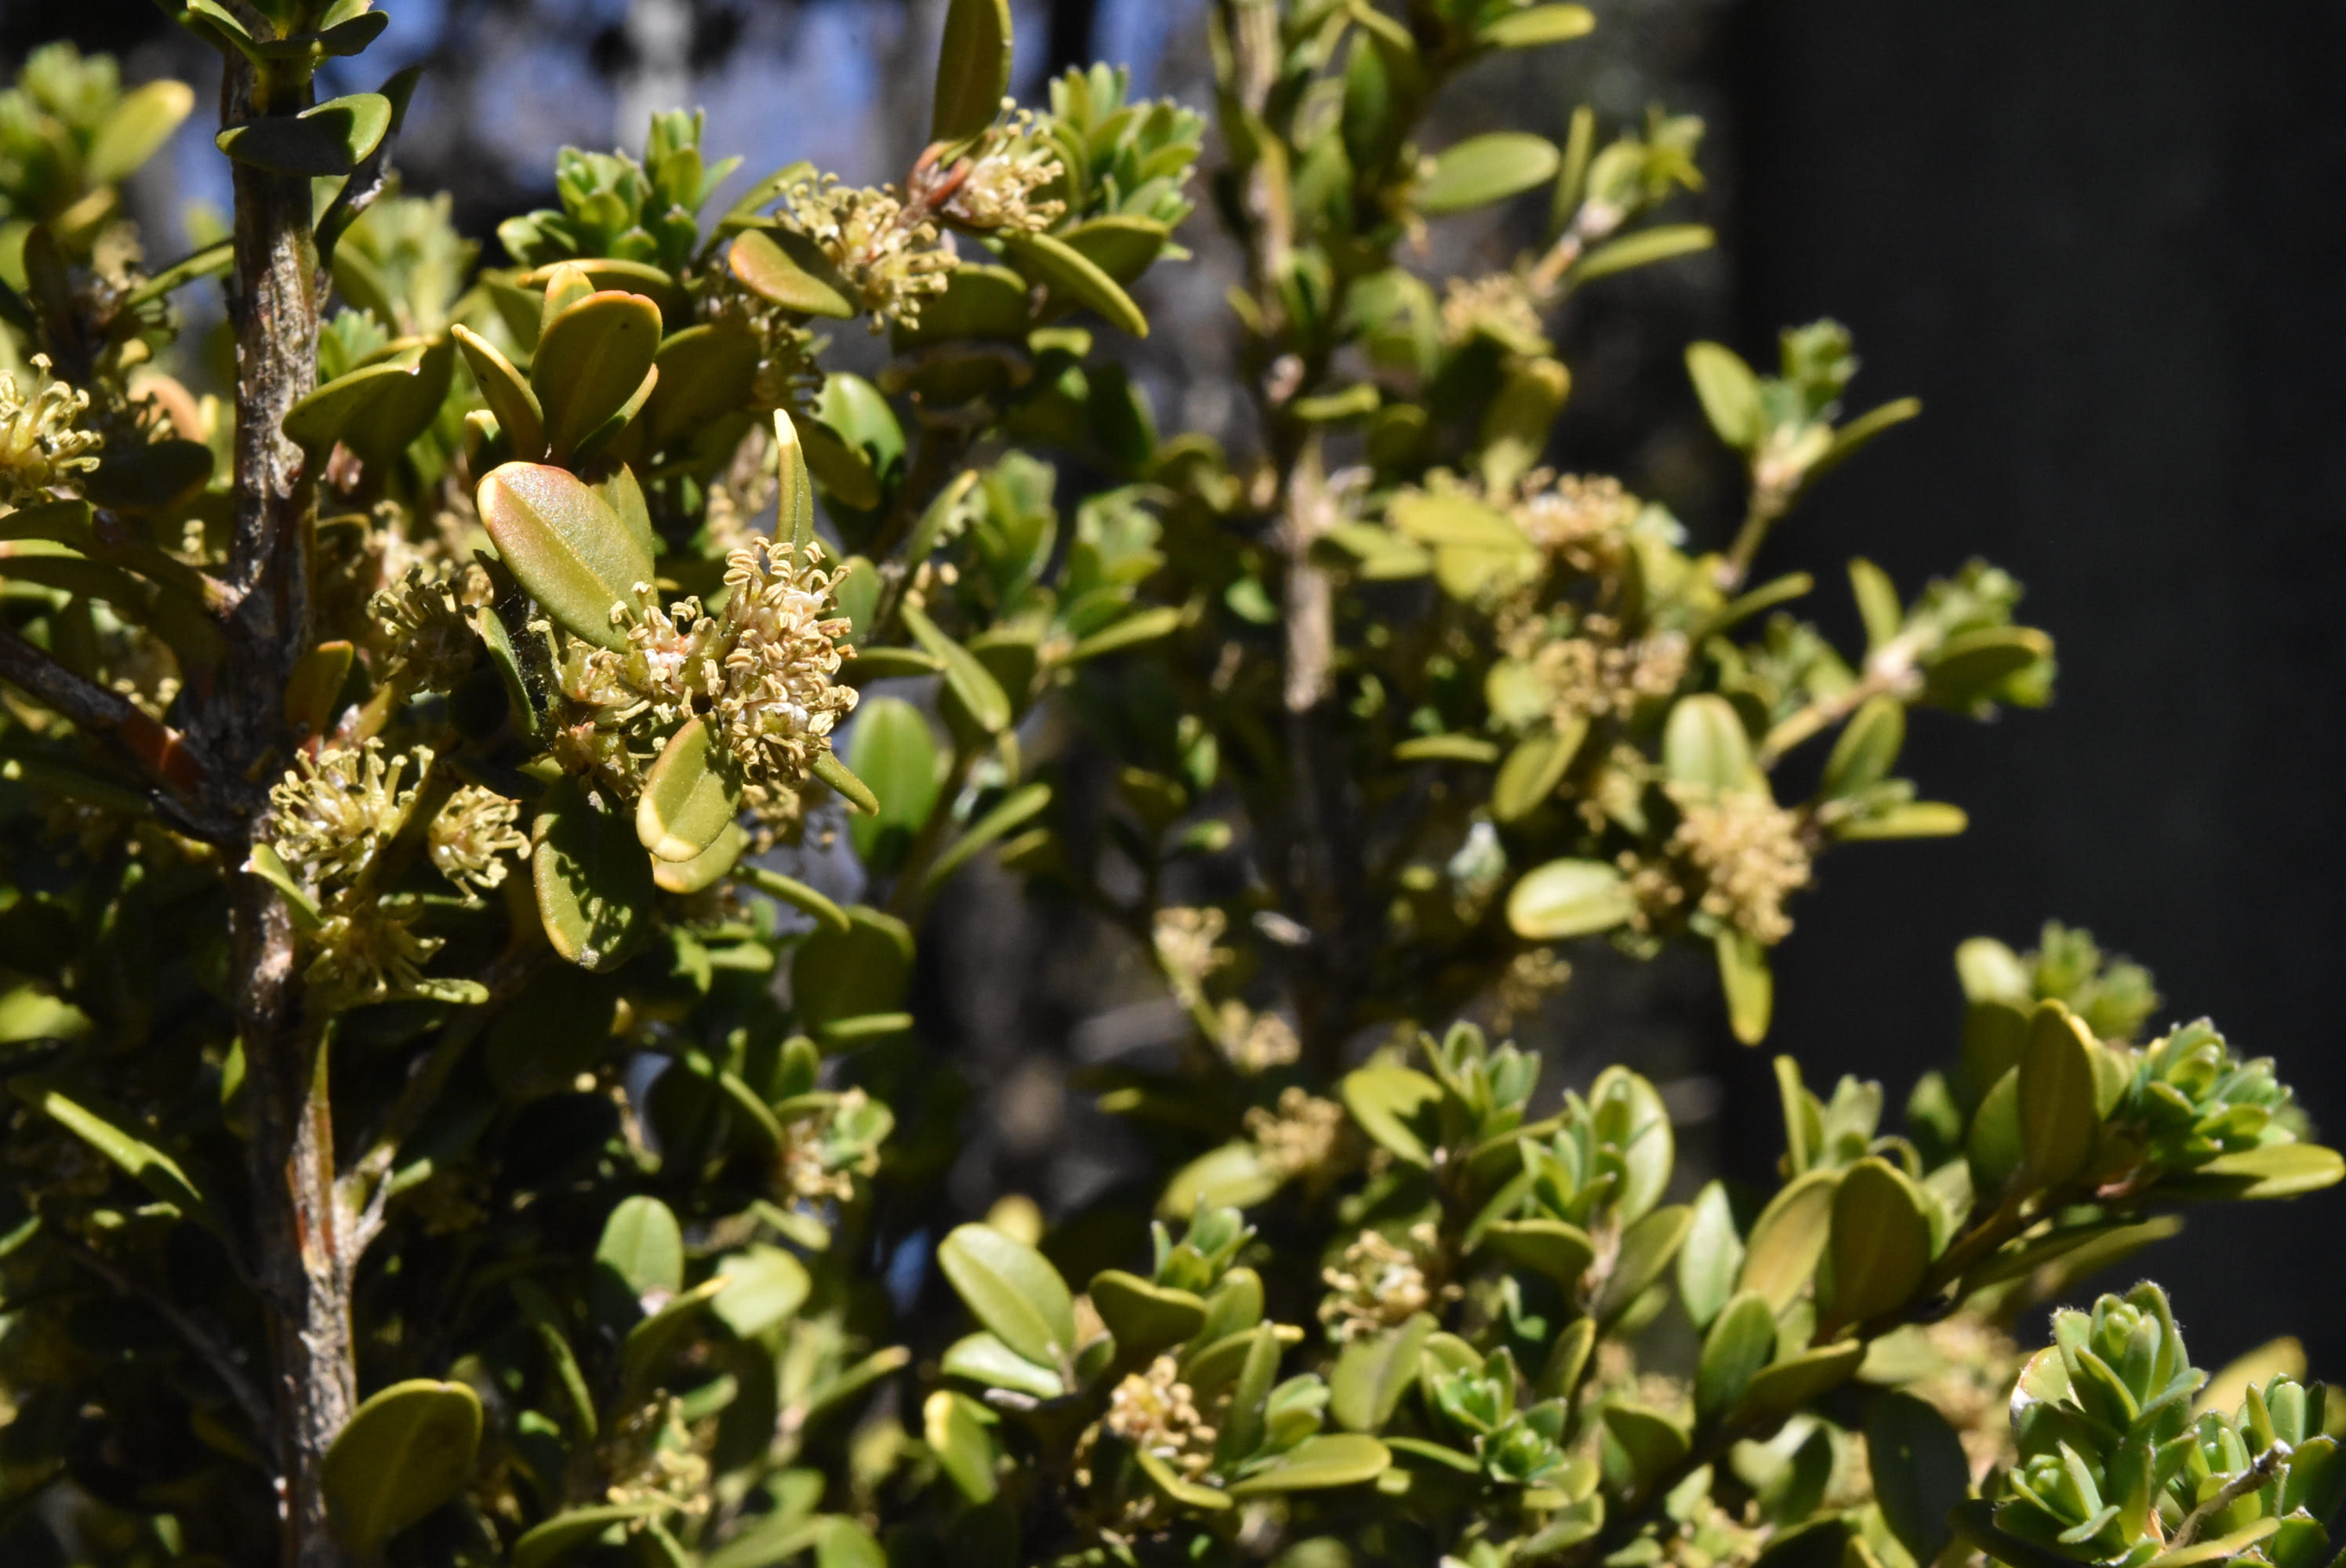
(405, 1451)
(567, 548)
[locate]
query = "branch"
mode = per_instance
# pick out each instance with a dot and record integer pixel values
(155, 747)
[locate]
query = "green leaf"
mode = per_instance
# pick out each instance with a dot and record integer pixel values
(798, 895)
(863, 969)
(1975, 1520)
(1712, 1257)
(1145, 1318)
(1868, 749)
(1453, 519)
(135, 130)
(704, 372)
(983, 1358)
(1372, 1373)
(1015, 809)
(1877, 603)
(763, 1287)
(1741, 1341)
(2060, 1119)
(1730, 394)
(1231, 1177)
(1486, 168)
(973, 69)
(1852, 438)
(591, 360)
(1651, 1441)
(1881, 1240)
(1073, 278)
(1789, 1240)
(1141, 626)
(1534, 767)
(149, 1167)
(1177, 1488)
(593, 879)
(1647, 1247)
(506, 392)
(768, 271)
(1569, 898)
(1013, 1290)
(564, 1533)
(1747, 983)
(1538, 25)
(691, 797)
(328, 138)
(1469, 748)
(405, 1451)
(1800, 1380)
(2276, 1170)
(1906, 820)
(970, 681)
(265, 863)
(706, 868)
(1562, 1252)
(643, 1246)
(1664, 243)
(1705, 744)
(828, 767)
(319, 421)
(1384, 1099)
(1920, 1472)
(954, 1426)
(1330, 1459)
(891, 748)
(1121, 244)
(565, 545)
(844, 1543)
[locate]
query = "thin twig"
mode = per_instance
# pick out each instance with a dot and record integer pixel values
(215, 1354)
(2249, 1480)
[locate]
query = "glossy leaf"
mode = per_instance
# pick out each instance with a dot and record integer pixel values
(2059, 1118)
(980, 695)
(954, 1427)
(325, 139)
(983, 1358)
(1920, 1472)
(1730, 394)
(590, 360)
(567, 548)
(1486, 168)
(1537, 25)
(1074, 279)
(506, 392)
(404, 1452)
(1569, 898)
(973, 69)
(1799, 1381)
(1704, 744)
(1374, 1371)
(768, 271)
(763, 1287)
(1013, 1290)
(593, 879)
(1747, 983)
(691, 797)
(1789, 1240)
(135, 130)
(1741, 1341)
(1880, 1244)
(1145, 1318)
(1711, 1258)
(1330, 1459)
(1384, 1100)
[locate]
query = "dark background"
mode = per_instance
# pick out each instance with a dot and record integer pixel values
(2100, 241)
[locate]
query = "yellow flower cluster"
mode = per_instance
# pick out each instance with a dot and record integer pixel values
(1500, 307)
(332, 814)
(1736, 852)
(39, 447)
(891, 255)
(1156, 1413)
(761, 669)
(1380, 1283)
(998, 180)
(428, 637)
(1301, 1139)
(471, 837)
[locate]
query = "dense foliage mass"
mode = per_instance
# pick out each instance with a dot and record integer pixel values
(449, 1122)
